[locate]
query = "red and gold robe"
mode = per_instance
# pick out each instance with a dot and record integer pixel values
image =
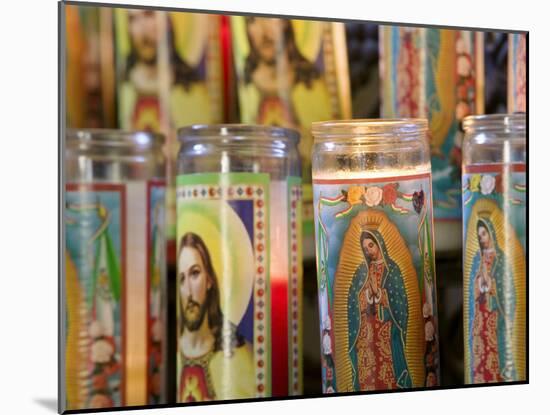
(485, 341)
(374, 352)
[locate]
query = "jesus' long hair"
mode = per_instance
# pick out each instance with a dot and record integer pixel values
(225, 339)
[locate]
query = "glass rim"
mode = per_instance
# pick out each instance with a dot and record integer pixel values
(506, 122)
(107, 137)
(236, 132)
(369, 127)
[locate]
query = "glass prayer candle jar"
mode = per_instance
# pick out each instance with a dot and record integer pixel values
(375, 255)
(239, 263)
(494, 196)
(113, 303)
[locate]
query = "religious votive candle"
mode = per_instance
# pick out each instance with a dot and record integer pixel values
(494, 197)
(113, 310)
(239, 263)
(375, 255)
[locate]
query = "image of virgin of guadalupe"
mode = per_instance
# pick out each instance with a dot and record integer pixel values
(94, 355)
(377, 318)
(490, 314)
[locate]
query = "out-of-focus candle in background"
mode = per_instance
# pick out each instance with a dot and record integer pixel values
(375, 255)
(239, 257)
(435, 74)
(517, 72)
(290, 73)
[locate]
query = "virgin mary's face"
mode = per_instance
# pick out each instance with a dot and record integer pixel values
(266, 36)
(371, 249)
(483, 237)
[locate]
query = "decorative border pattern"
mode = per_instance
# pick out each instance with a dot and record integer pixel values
(257, 194)
(330, 69)
(214, 76)
(295, 200)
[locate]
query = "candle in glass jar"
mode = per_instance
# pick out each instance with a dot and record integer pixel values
(494, 190)
(239, 258)
(375, 264)
(114, 297)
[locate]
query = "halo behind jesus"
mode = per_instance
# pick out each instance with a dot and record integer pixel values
(230, 248)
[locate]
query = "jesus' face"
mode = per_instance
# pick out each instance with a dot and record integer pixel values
(144, 34)
(194, 285)
(266, 36)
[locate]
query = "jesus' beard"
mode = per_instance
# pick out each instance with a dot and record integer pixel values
(191, 320)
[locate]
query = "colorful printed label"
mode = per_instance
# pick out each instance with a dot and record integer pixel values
(431, 73)
(114, 294)
(295, 289)
(494, 205)
(377, 286)
(239, 286)
(95, 296)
